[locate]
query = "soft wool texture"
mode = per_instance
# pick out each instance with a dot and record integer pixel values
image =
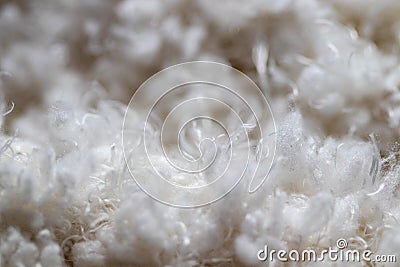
(330, 70)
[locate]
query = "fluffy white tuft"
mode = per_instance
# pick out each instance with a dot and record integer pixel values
(68, 68)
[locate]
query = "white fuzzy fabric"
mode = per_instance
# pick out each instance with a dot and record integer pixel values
(329, 68)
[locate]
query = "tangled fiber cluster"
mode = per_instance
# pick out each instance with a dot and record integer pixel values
(330, 70)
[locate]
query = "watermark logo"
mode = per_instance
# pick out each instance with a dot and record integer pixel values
(193, 131)
(339, 254)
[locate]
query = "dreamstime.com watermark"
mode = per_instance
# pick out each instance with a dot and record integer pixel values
(341, 254)
(194, 130)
